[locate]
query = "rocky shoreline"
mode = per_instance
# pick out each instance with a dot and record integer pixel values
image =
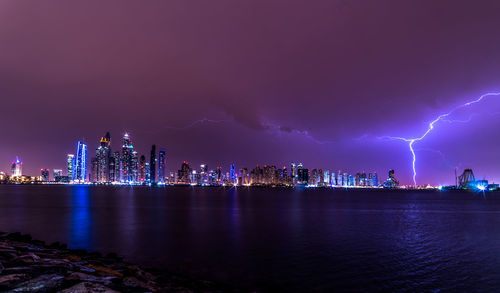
(28, 265)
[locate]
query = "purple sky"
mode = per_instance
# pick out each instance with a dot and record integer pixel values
(287, 80)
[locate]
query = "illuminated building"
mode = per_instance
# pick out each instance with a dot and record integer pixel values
(293, 173)
(103, 155)
(45, 175)
(171, 179)
(116, 165)
(232, 174)
(70, 167)
(142, 169)
(57, 173)
(147, 168)
(391, 181)
(245, 180)
(93, 170)
(80, 171)
(184, 173)
(134, 167)
(218, 175)
(204, 176)
(161, 166)
(302, 175)
(152, 165)
(285, 176)
(126, 158)
(17, 168)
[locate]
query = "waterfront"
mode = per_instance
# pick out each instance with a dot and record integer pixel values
(276, 239)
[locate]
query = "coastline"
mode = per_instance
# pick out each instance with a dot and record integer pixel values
(28, 265)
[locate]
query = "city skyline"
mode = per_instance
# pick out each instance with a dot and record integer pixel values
(108, 166)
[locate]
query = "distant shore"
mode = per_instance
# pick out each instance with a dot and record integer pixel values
(28, 265)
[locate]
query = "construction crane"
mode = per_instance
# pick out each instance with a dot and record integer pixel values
(467, 179)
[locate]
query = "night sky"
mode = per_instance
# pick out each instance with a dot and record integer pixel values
(270, 81)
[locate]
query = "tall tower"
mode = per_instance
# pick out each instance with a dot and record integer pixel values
(70, 165)
(17, 168)
(117, 167)
(232, 173)
(103, 154)
(126, 158)
(134, 167)
(152, 165)
(161, 165)
(80, 172)
(142, 169)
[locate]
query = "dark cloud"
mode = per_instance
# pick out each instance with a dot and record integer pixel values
(282, 72)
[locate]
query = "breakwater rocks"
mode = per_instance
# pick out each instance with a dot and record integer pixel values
(28, 265)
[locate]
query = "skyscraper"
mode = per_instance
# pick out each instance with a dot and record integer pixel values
(161, 166)
(93, 170)
(57, 173)
(45, 174)
(142, 169)
(232, 173)
(17, 168)
(126, 158)
(134, 167)
(103, 154)
(152, 165)
(70, 165)
(80, 172)
(117, 167)
(293, 174)
(184, 173)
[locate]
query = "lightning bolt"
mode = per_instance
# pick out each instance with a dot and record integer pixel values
(412, 141)
(201, 121)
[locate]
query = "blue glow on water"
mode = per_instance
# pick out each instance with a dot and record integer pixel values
(81, 219)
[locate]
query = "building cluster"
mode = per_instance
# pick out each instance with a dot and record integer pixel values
(126, 166)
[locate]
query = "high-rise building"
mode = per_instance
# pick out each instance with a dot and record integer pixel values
(204, 175)
(117, 167)
(161, 166)
(152, 165)
(142, 169)
(148, 175)
(232, 174)
(302, 175)
(93, 177)
(70, 167)
(57, 173)
(80, 171)
(17, 168)
(134, 167)
(126, 158)
(293, 173)
(184, 173)
(103, 155)
(45, 175)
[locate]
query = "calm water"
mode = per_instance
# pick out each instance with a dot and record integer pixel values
(277, 239)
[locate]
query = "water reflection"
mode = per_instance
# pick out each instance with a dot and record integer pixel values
(81, 219)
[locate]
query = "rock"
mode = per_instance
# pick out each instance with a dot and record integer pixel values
(11, 277)
(43, 283)
(87, 287)
(78, 276)
(105, 270)
(73, 258)
(134, 282)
